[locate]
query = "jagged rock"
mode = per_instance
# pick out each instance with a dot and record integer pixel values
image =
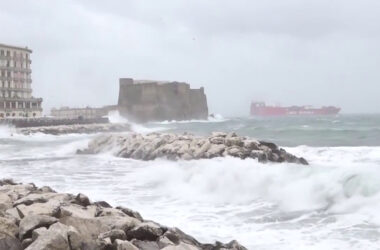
(89, 229)
(104, 244)
(176, 236)
(82, 200)
(131, 213)
(102, 204)
(233, 245)
(46, 189)
(14, 213)
(7, 182)
(17, 191)
(111, 212)
(38, 232)
(79, 228)
(31, 222)
(50, 208)
(181, 246)
(5, 202)
(124, 245)
(145, 231)
(8, 228)
(9, 243)
(163, 241)
(188, 147)
(43, 198)
(58, 237)
(145, 245)
(115, 234)
(25, 243)
(78, 211)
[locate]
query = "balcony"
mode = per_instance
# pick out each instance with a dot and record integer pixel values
(16, 89)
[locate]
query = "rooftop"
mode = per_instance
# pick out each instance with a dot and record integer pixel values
(15, 47)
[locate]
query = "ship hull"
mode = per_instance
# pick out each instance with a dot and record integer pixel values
(260, 109)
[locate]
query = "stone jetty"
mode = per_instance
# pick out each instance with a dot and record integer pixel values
(76, 129)
(188, 147)
(35, 218)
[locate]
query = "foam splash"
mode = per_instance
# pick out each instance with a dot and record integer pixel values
(211, 119)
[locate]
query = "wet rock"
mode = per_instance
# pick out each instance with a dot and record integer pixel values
(57, 237)
(115, 234)
(25, 243)
(5, 202)
(10, 243)
(78, 211)
(111, 212)
(189, 147)
(176, 236)
(146, 231)
(8, 228)
(7, 182)
(50, 208)
(90, 229)
(23, 227)
(181, 246)
(102, 204)
(145, 245)
(131, 213)
(163, 241)
(124, 245)
(38, 232)
(82, 200)
(43, 198)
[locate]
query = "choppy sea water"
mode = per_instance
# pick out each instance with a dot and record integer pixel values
(331, 204)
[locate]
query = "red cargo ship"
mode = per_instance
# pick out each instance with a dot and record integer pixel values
(260, 109)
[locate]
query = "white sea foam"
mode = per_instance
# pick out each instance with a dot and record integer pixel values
(215, 119)
(331, 204)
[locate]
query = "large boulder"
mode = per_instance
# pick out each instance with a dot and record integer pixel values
(146, 231)
(58, 237)
(31, 222)
(77, 211)
(124, 245)
(90, 228)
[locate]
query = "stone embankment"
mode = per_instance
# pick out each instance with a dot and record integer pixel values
(34, 218)
(76, 129)
(188, 147)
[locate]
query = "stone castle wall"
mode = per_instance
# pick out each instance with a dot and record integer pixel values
(144, 101)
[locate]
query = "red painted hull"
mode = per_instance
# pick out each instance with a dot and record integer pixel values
(260, 109)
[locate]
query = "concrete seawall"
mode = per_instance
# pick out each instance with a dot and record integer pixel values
(47, 122)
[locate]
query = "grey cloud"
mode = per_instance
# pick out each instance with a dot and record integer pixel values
(290, 52)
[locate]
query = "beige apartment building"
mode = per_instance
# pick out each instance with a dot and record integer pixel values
(16, 99)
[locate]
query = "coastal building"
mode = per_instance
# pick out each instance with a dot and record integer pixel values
(147, 100)
(16, 99)
(81, 113)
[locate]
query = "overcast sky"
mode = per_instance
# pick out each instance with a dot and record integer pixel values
(318, 52)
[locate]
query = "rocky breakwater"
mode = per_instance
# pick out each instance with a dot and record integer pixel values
(189, 147)
(76, 129)
(34, 218)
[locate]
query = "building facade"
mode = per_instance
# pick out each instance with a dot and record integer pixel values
(81, 113)
(16, 99)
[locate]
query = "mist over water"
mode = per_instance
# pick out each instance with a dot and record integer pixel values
(331, 204)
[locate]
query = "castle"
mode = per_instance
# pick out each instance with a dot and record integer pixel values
(146, 100)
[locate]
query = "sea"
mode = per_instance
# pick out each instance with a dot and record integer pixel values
(334, 203)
